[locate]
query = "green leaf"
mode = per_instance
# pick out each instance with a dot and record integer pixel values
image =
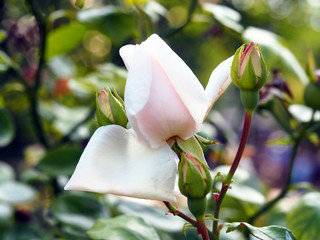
(77, 211)
(16, 193)
(283, 141)
(304, 217)
(122, 228)
(61, 160)
(112, 22)
(22, 232)
(63, 39)
(3, 35)
(225, 15)
(7, 129)
(6, 212)
(5, 61)
(153, 215)
(246, 194)
(265, 233)
(274, 51)
(279, 111)
(6, 173)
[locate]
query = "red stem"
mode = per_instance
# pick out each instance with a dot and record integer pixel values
(176, 212)
(202, 229)
(227, 181)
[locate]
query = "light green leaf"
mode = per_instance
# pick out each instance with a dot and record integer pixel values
(282, 141)
(153, 215)
(304, 217)
(303, 113)
(7, 129)
(6, 212)
(122, 228)
(61, 160)
(3, 35)
(15, 193)
(225, 15)
(6, 173)
(5, 61)
(273, 50)
(265, 233)
(63, 39)
(246, 194)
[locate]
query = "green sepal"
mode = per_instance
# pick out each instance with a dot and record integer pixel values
(310, 66)
(312, 96)
(249, 99)
(249, 78)
(204, 141)
(193, 147)
(235, 66)
(198, 207)
(264, 72)
(118, 113)
(101, 118)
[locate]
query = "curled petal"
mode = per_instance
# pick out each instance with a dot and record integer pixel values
(127, 53)
(180, 75)
(115, 162)
(155, 106)
(218, 81)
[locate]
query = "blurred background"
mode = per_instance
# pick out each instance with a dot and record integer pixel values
(56, 55)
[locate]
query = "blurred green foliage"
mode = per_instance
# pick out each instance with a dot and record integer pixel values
(55, 55)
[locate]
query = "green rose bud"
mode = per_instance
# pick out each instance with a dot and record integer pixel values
(110, 109)
(195, 182)
(249, 73)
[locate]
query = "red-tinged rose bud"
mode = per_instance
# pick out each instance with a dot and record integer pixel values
(249, 73)
(110, 109)
(195, 182)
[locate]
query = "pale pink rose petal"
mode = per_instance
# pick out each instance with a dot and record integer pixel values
(183, 80)
(127, 52)
(115, 162)
(163, 115)
(219, 81)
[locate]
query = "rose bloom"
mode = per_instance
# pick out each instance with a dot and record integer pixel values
(164, 100)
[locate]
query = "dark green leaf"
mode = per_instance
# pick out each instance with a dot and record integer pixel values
(22, 232)
(265, 233)
(16, 193)
(61, 160)
(122, 228)
(77, 211)
(63, 39)
(112, 22)
(7, 129)
(304, 217)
